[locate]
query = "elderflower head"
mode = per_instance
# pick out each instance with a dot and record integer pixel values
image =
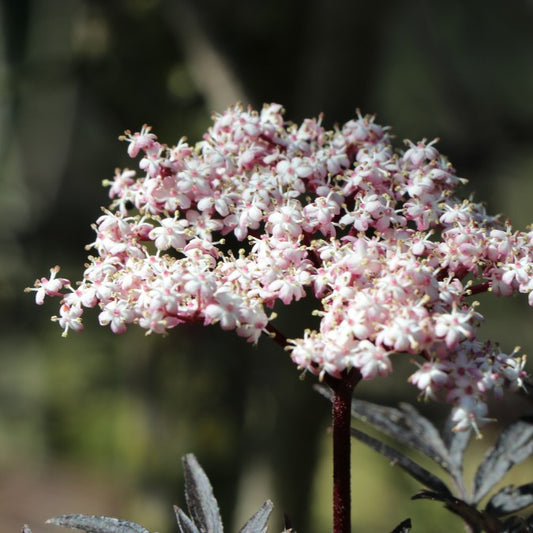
(379, 238)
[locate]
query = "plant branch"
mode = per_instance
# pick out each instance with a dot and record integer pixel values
(276, 335)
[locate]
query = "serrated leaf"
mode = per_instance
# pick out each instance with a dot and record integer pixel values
(258, 522)
(425, 437)
(413, 469)
(510, 499)
(185, 524)
(201, 502)
(403, 527)
(456, 442)
(96, 524)
(406, 425)
(477, 520)
(514, 445)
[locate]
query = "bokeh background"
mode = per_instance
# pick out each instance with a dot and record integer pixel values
(97, 424)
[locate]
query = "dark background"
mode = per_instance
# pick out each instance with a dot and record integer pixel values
(97, 423)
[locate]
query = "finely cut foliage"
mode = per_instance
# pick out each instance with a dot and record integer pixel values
(407, 426)
(204, 515)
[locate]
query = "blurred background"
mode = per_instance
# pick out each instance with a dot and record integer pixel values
(97, 424)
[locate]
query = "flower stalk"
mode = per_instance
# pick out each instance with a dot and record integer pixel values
(341, 420)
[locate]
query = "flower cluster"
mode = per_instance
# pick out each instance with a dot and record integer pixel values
(263, 211)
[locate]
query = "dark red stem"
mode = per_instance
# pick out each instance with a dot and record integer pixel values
(341, 418)
(480, 287)
(276, 335)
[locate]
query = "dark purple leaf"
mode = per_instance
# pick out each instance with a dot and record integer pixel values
(514, 444)
(425, 436)
(287, 525)
(517, 524)
(258, 522)
(406, 425)
(96, 524)
(456, 442)
(403, 527)
(477, 520)
(510, 499)
(201, 503)
(413, 469)
(185, 524)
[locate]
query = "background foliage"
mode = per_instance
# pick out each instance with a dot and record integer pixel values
(97, 424)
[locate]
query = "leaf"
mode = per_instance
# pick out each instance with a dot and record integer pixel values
(413, 469)
(456, 442)
(185, 524)
(425, 437)
(202, 504)
(514, 444)
(258, 522)
(287, 525)
(406, 425)
(403, 527)
(474, 518)
(517, 524)
(510, 499)
(96, 524)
